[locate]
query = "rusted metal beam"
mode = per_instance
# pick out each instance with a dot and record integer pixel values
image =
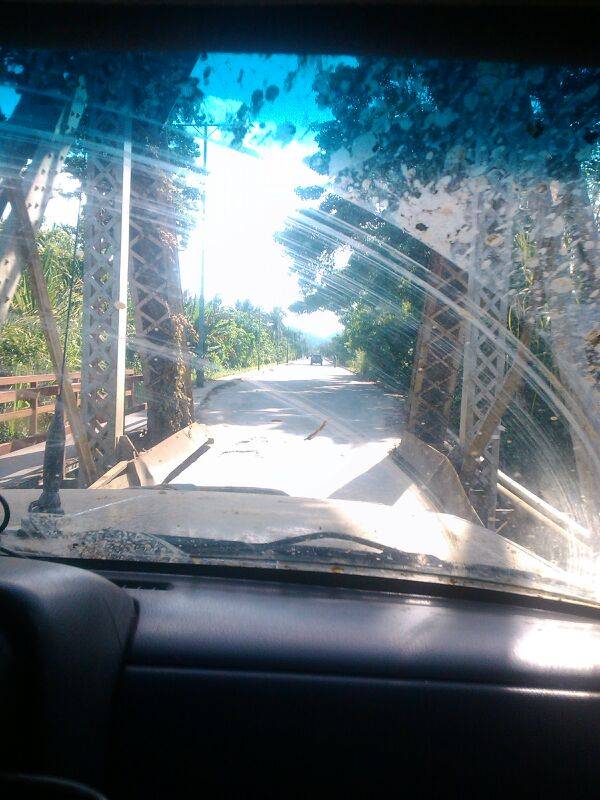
(118, 469)
(437, 363)
(164, 461)
(489, 425)
(542, 507)
(26, 242)
(155, 284)
(484, 360)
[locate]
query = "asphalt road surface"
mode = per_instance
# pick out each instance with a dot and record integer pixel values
(260, 426)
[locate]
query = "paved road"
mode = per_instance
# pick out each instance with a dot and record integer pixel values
(260, 425)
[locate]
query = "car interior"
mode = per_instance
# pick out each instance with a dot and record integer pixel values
(130, 680)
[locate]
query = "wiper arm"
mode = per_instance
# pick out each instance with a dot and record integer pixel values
(194, 487)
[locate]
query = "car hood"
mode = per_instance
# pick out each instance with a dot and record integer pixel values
(256, 518)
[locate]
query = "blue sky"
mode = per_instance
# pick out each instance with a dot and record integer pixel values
(8, 100)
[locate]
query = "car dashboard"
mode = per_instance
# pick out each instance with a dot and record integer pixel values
(148, 685)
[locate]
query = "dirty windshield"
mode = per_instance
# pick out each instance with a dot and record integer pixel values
(328, 313)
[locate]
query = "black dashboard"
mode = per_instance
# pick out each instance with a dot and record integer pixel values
(158, 685)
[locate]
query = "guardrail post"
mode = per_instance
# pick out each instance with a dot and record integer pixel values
(33, 420)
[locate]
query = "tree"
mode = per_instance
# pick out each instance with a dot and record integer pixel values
(362, 268)
(23, 348)
(238, 337)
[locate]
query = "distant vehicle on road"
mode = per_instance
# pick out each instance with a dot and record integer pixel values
(316, 359)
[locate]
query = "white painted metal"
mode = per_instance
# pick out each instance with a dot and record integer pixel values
(105, 283)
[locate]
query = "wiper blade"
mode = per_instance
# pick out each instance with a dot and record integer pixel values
(297, 545)
(290, 541)
(118, 544)
(298, 548)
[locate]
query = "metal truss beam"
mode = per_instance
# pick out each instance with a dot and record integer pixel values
(436, 368)
(26, 243)
(485, 351)
(36, 183)
(157, 297)
(105, 282)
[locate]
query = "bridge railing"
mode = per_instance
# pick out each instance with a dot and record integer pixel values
(39, 392)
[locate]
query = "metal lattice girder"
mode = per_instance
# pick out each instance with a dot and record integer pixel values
(569, 274)
(438, 352)
(47, 159)
(105, 282)
(485, 349)
(157, 297)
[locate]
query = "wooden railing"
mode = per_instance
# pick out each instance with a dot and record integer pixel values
(40, 391)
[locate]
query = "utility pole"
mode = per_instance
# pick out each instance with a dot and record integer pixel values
(277, 338)
(258, 342)
(201, 301)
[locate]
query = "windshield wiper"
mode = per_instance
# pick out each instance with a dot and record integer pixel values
(288, 543)
(122, 545)
(299, 548)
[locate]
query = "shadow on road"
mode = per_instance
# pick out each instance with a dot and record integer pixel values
(383, 483)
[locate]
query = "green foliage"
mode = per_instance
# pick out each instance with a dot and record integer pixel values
(338, 348)
(372, 293)
(238, 337)
(23, 346)
(377, 344)
(381, 342)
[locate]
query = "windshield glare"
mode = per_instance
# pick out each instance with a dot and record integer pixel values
(340, 312)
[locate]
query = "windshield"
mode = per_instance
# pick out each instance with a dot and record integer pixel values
(335, 312)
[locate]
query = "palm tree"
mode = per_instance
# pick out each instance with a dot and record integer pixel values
(23, 345)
